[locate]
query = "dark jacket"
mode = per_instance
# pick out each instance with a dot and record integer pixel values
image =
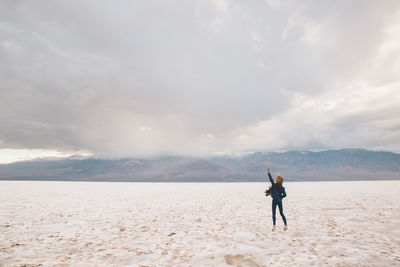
(277, 192)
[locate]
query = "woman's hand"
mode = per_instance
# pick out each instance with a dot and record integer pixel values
(268, 170)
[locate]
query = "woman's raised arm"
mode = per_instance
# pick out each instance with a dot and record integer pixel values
(270, 177)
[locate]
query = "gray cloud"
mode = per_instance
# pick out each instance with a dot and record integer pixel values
(155, 77)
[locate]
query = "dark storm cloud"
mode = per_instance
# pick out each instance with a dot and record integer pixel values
(144, 78)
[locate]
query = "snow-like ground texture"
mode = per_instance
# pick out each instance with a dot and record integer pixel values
(198, 224)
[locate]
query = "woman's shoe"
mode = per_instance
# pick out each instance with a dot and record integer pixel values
(273, 228)
(285, 228)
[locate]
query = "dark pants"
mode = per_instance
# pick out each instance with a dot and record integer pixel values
(276, 202)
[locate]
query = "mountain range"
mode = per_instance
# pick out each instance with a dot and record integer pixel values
(329, 165)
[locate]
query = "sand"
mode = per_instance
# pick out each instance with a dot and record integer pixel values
(198, 224)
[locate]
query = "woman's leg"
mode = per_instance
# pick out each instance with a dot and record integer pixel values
(281, 211)
(274, 211)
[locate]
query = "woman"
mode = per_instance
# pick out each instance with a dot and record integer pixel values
(277, 192)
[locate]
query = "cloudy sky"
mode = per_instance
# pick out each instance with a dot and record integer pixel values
(201, 77)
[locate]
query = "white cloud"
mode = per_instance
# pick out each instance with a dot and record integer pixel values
(94, 78)
(359, 116)
(255, 36)
(311, 33)
(309, 30)
(13, 155)
(220, 5)
(274, 3)
(144, 128)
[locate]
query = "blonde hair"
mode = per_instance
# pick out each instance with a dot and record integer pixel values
(279, 180)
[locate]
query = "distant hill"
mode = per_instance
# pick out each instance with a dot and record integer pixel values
(330, 165)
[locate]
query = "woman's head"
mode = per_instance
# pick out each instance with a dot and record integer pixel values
(279, 180)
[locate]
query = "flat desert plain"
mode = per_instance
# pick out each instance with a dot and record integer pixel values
(198, 224)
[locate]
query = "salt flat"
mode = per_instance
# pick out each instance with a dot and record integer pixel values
(198, 224)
